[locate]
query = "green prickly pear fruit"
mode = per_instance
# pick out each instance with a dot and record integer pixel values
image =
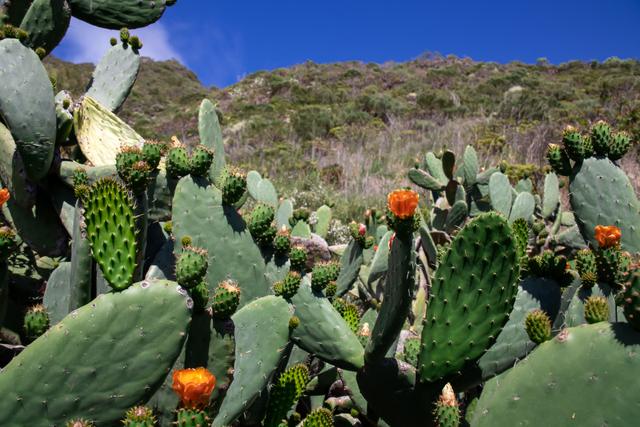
(550, 265)
(587, 268)
(191, 267)
(80, 422)
(573, 143)
(282, 241)
(124, 35)
(559, 160)
(294, 322)
(596, 309)
(288, 287)
(41, 52)
(630, 301)
(321, 275)
(349, 313)
(610, 264)
(447, 413)
(186, 241)
(300, 214)
(259, 224)
(225, 299)
(139, 176)
(620, 145)
(538, 326)
(152, 153)
(168, 227)
(330, 290)
(36, 322)
(135, 42)
(201, 160)
(285, 392)
(177, 162)
(7, 242)
(191, 418)
(320, 417)
(298, 259)
(139, 416)
(200, 296)
(411, 351)
(80, 177)
(601, 137)
(537, 227)
(234, 186)
(113, 41)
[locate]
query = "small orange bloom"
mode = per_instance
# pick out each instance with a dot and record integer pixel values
(608, 235)
(194, 386)
(403, 203)
(4, 196)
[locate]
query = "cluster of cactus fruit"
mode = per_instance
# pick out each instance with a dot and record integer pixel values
(182, 291)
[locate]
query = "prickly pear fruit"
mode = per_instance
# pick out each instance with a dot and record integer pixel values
(177, 162)
(559, 160)
(447, 412)
(349, 313)
(288, 287)
(200, 296)
(139, 416)
(596, 309)
(225, 299)
(126, 158)
(259, 224)
(201, 160)
(322, 274)
(80, 422)
(538, 326)
(331, 289)
(234, 185)
(282, 241)
(573, 144)
(601, 137)
(586, 266)
(620, 144)
(152, 153)
(191, 267)
(191, 418)
(298, 258)
(36, 322)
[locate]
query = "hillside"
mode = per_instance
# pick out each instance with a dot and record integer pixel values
(321, 131)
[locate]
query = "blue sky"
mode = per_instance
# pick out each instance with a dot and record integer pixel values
(222, 41)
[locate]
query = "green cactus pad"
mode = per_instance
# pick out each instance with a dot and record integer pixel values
(551, 198)
(350, 264)
(472, 295)
(111, 230)
(12, 173)
(286, 391)
(323, 332)
(398, 290)
(601, 194)
(46, 21)
(101, 134)
(500, 193)
(114, 14)
(324, 215)
(262, 334)
(581, 377)
(27, 106)
(114, 76)
(79, 379)
(198, 212)
(284, 213)
(211, 137)
(513, 343)
(575, 311)
(523, 207)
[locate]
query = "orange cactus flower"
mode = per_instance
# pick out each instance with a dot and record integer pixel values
(4, 196)
(608, 235)
(194, 387)
(403, 203)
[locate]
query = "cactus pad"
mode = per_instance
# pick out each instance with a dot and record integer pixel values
(472, 295)
(111, 230)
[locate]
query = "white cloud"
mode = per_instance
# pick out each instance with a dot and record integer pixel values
(86, 43)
